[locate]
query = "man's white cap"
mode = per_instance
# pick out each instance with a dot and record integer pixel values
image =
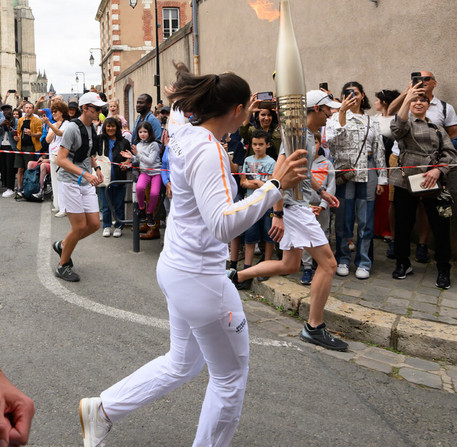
(91, 98)
(320, 98)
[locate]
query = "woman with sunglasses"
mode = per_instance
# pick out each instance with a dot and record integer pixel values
(77, 195)
(354, 137)
(207, 322)
(421, 143)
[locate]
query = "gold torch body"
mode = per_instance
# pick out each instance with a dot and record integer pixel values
(290, 89)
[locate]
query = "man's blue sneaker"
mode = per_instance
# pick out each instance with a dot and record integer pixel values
(307, 277)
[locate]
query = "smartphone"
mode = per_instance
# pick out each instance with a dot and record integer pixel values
(415, 74)
(43, 113)
(11, 91)
(418, 80)
(15, 133)
(349, 91)
(265, 96)
(323, 85)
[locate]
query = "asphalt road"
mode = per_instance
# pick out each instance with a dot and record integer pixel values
(61, 342)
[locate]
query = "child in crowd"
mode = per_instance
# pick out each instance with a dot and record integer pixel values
(258, 169)
(325, 176)
(147, 154)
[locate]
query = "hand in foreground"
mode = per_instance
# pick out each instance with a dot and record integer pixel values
(431, 177)
(92, 179)
(277, 229)
(168, 192)
(126, 154)
(293, 170)
(347, 103)
(16, 413)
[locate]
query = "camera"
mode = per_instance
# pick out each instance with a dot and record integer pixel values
(415, 74)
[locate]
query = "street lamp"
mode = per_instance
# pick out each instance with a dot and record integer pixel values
(133, 3)
(84, 79)
(92, 61)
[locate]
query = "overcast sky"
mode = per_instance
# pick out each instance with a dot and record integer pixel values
(65, 30)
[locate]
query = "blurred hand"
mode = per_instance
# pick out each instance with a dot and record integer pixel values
(277, 229)
(168, 192)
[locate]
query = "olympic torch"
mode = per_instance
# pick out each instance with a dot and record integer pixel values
(290, 89)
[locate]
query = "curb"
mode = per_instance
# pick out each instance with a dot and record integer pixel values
(412, 336)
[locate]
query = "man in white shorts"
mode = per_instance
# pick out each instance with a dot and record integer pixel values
(77, 194)
(296, 228)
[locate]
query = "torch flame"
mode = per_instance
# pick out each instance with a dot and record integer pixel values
(265, 9)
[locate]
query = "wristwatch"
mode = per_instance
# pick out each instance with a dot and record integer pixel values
(97, 167)
(276, 183)
(279, 214)
(321, 189)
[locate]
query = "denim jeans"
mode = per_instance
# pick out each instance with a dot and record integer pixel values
(117, 196)
(357, 199)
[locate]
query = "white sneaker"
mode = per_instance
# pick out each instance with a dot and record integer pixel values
(107, 232)
(342, 270)
(117, 232)
(55, 210)
(8, 193)
(257, 250)
(61, 214)
(362, 273)
(95, 428)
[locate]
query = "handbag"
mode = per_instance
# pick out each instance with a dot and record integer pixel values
(105, 165)
(345, 176)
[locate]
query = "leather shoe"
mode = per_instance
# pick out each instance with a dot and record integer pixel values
(152, 233)
(144, 228)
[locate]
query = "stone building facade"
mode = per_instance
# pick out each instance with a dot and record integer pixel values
(17, 51)
(127, 34)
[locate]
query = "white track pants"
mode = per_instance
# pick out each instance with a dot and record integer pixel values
(207, 324)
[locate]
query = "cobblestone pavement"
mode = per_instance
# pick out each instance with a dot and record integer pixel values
(437, 375)
(416, 296)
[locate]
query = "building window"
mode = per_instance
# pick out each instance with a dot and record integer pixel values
(170, 21)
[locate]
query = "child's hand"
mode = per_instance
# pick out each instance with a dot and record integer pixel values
(126, 154)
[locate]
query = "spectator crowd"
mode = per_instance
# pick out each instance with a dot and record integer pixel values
(412, 128)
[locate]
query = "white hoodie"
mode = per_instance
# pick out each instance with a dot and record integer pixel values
(203, 217)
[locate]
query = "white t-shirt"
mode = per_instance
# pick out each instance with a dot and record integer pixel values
(436, 115)
(203, 216)
(55, 143)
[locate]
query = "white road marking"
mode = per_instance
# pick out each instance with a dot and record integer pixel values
(56, 287)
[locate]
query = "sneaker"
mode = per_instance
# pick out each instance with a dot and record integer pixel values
(257, 250)
(342, 270)
(39, 195)
(8, 193)
(443, 280)
(61, 214)
(150, 220)
(142, 214)
(107, 232)
(307, 277)
(57, 247)
(321, 337)
(95, 427)
(233, 276)
(422, 254)
(65, 272)
(19, 194)
(401, 271)
(55, 210)
(117, 232)
(362, 273)
(390, 253)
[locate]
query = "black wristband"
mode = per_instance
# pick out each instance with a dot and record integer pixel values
(97, 167)
(278, 214)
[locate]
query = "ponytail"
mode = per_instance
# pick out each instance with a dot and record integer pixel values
(208, 96)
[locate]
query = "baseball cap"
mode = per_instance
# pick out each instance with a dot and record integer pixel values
(320, 98)
(91, 98)
(165, 109)
(73, 105)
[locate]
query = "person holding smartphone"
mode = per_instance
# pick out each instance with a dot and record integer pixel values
(354, 137)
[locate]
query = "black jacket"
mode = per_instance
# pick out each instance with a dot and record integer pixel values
(120, 145)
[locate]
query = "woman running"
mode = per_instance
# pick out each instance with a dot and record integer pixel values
(207, 322)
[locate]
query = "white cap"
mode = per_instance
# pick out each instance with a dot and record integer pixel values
(320, 98)
(91, 98)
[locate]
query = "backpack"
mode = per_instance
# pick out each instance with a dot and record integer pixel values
(83, 152)
(31, 183)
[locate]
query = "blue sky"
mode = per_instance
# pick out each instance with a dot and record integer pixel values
(65, 30)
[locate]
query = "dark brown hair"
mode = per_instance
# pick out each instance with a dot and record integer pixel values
(61, 107)
(208, 96)
(365, 104)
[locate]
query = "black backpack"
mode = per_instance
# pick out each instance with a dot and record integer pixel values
(83, 152)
